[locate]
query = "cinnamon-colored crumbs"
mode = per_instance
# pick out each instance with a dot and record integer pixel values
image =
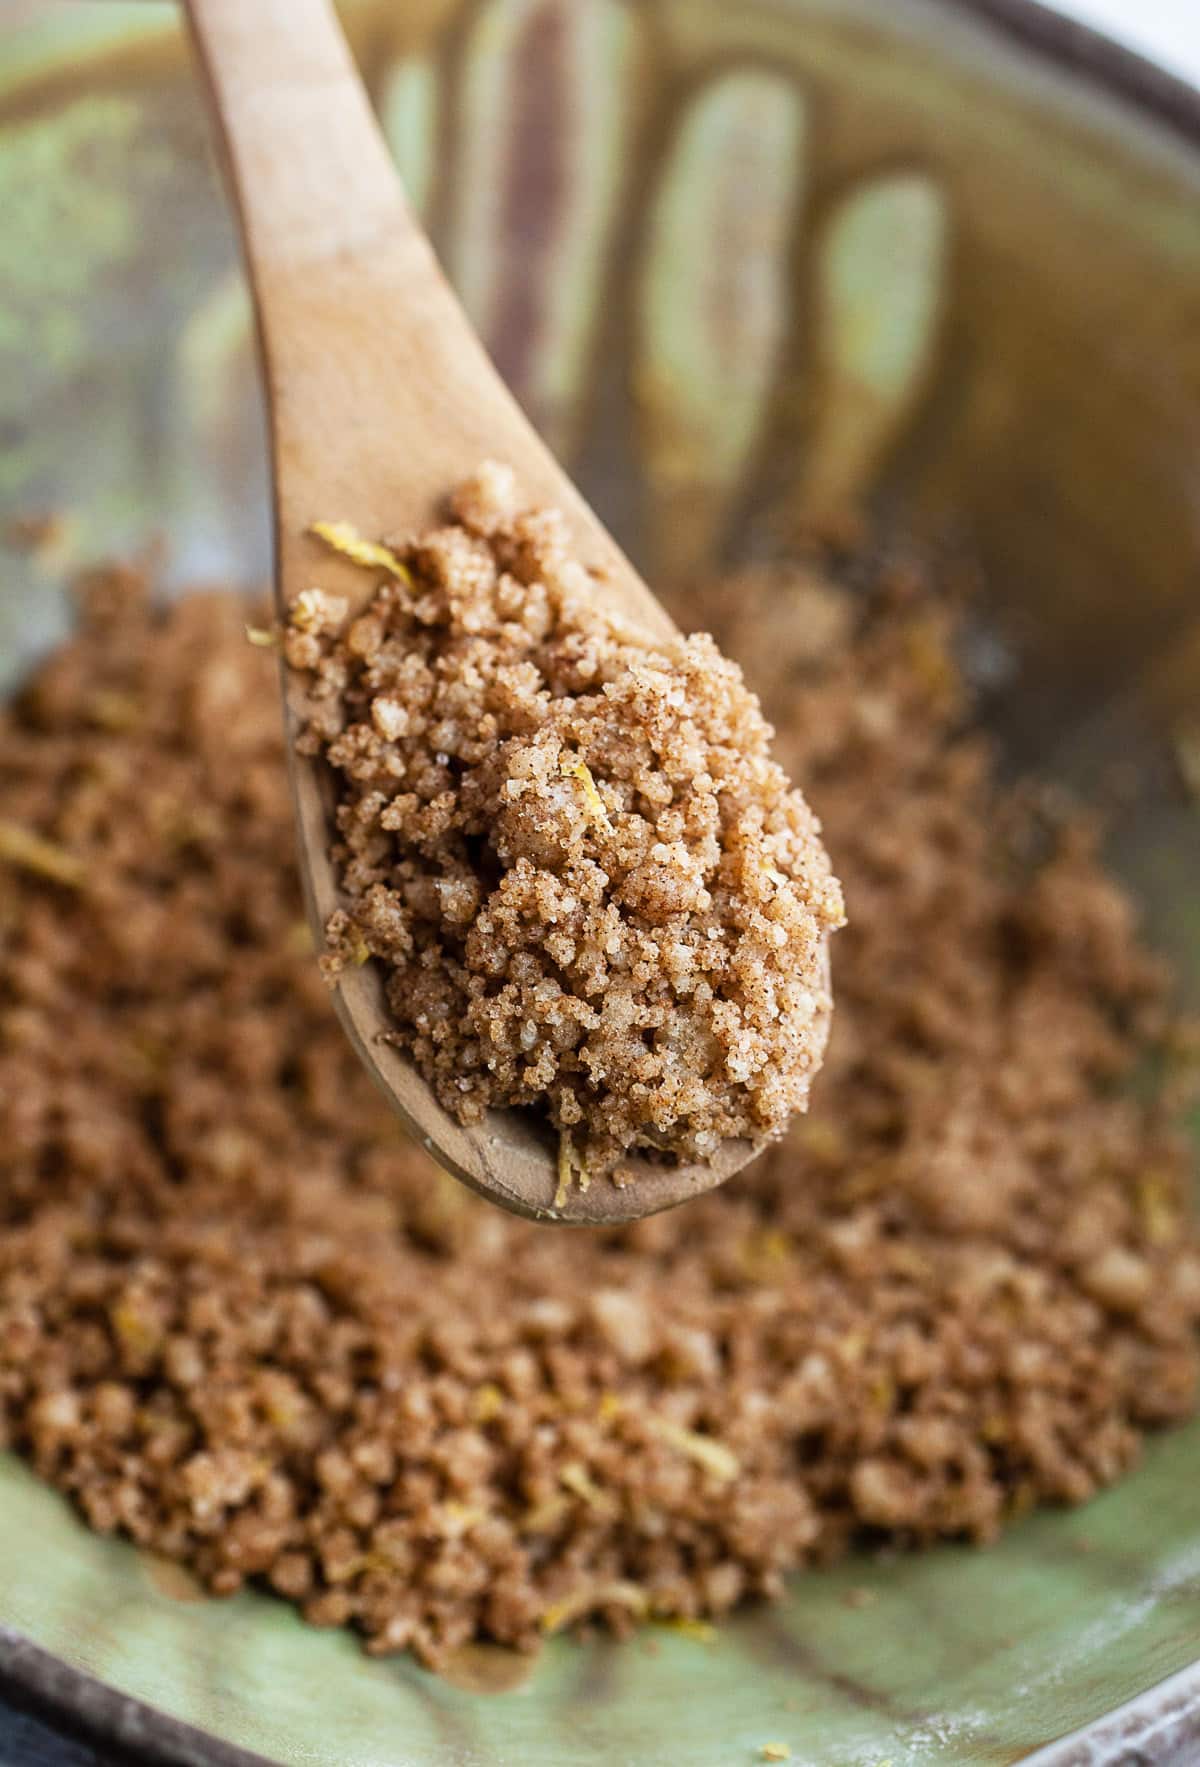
(593, 891)
(245, 1324)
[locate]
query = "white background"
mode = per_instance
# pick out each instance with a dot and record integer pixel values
(1167, 31)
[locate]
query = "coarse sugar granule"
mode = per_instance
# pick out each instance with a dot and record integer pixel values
(243, 1322)
(591, 888)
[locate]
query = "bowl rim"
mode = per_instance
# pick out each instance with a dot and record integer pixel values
(1154, 1727)
(1084, 50)
(1160, 1720)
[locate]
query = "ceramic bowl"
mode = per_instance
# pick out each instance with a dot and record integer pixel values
(746, 264)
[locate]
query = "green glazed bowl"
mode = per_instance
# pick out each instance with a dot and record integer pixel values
(747, 264)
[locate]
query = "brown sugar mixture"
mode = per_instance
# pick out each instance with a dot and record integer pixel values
(592, 889)
(247, 1325)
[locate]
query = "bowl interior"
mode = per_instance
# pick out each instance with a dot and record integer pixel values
(748, 268)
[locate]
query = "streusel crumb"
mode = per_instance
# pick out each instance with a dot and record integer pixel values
(248, 1325)
(593, 890)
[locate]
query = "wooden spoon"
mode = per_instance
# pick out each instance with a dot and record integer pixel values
(381, 400)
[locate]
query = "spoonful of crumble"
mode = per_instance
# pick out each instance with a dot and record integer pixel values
(575, 917)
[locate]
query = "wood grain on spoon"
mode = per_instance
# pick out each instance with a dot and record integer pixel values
(382, 399)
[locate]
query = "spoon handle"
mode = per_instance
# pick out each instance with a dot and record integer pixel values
(380, 395)
(311, 172)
